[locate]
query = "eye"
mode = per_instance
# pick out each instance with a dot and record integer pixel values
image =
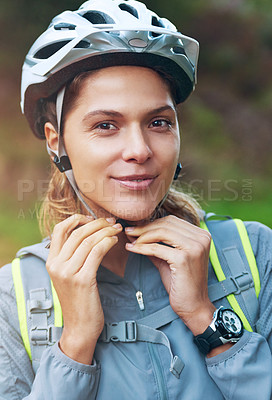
(161, 123)
(105, 126)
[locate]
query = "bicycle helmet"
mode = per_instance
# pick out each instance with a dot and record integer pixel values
(99, 34)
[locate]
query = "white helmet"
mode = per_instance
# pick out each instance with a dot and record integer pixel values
(103, 33)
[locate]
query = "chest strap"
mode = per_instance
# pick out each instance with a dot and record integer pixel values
(231, 285)
(145, 330)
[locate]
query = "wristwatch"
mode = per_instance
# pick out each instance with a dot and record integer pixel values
(226, 327)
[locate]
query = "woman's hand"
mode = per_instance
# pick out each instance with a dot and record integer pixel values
(180, 251)
(78, 246)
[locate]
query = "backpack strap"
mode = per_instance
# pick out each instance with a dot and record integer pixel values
(39, 310)
(235, 266)
(21, 306)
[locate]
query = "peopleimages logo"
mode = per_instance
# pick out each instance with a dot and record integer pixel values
(221, 189)
(212, 190)
(28, 188)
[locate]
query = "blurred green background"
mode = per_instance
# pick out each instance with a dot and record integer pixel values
(225, 126)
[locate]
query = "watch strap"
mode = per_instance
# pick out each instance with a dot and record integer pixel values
(208, 340)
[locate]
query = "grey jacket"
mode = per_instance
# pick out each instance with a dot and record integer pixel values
(140, 370)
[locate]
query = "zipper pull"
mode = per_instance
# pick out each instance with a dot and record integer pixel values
(139, 296)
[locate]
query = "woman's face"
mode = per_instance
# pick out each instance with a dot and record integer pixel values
(122, 139)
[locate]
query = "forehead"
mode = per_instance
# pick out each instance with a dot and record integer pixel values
(124, 83)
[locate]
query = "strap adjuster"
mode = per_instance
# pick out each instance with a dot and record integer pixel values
(177, 366)
(44, 335)
(63, 163)
(124, 331)
(242, 282)
(36, 306)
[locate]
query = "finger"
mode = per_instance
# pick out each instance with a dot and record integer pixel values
(175, 238)
(170, 221)
(63, 229)
(161, 236)
(165, 221)
(196, 247)
(94, 259)
(86, 246)
(154, 249)
(78, 235)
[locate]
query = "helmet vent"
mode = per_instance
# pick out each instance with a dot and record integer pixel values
(52, 48)
(64, 26)
(178, 50)
(96, 18)
(129, 9)
(158, 23)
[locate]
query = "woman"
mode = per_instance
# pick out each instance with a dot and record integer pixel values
(102, 85)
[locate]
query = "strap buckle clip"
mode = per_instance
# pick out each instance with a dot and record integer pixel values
(124, 331)
(242, 282)
(41, 335)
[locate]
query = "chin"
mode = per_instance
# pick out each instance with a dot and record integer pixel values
(134, 215)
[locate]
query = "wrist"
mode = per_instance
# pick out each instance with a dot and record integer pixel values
(219, 350)
(198, 321)
(225, 329)
(76, 348)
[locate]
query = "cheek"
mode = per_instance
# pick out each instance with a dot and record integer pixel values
(79, 149)
(84, 160)
(170, 152)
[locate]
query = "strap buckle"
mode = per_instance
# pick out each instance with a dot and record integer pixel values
(242, 282)
(124, 331)
(40, 335)
(44, 335)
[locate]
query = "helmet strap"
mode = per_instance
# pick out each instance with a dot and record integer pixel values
(59, 106)
(178, 169)
(158, 210)
(61, 159)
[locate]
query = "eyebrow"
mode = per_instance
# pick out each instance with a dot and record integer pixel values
(116, 114)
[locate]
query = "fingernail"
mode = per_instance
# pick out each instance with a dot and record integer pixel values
(129, 229)
(129, 245)
(110, 220)
(117, 226)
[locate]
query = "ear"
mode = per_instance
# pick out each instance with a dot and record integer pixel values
(52, 137)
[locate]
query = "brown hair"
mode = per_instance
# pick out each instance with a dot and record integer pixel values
(61, 201)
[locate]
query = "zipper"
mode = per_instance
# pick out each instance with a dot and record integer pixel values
(153, 352)
(140, 299)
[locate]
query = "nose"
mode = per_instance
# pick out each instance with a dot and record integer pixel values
(137, 147)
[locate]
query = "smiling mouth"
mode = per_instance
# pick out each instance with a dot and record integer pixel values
(136, 182)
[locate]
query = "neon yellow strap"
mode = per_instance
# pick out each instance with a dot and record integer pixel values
(249, 254)
(221, 276)
(20, 299)
(57, 308)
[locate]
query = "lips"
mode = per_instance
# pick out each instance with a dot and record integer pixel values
(136, 182)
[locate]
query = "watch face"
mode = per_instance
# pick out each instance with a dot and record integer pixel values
(231, 322)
